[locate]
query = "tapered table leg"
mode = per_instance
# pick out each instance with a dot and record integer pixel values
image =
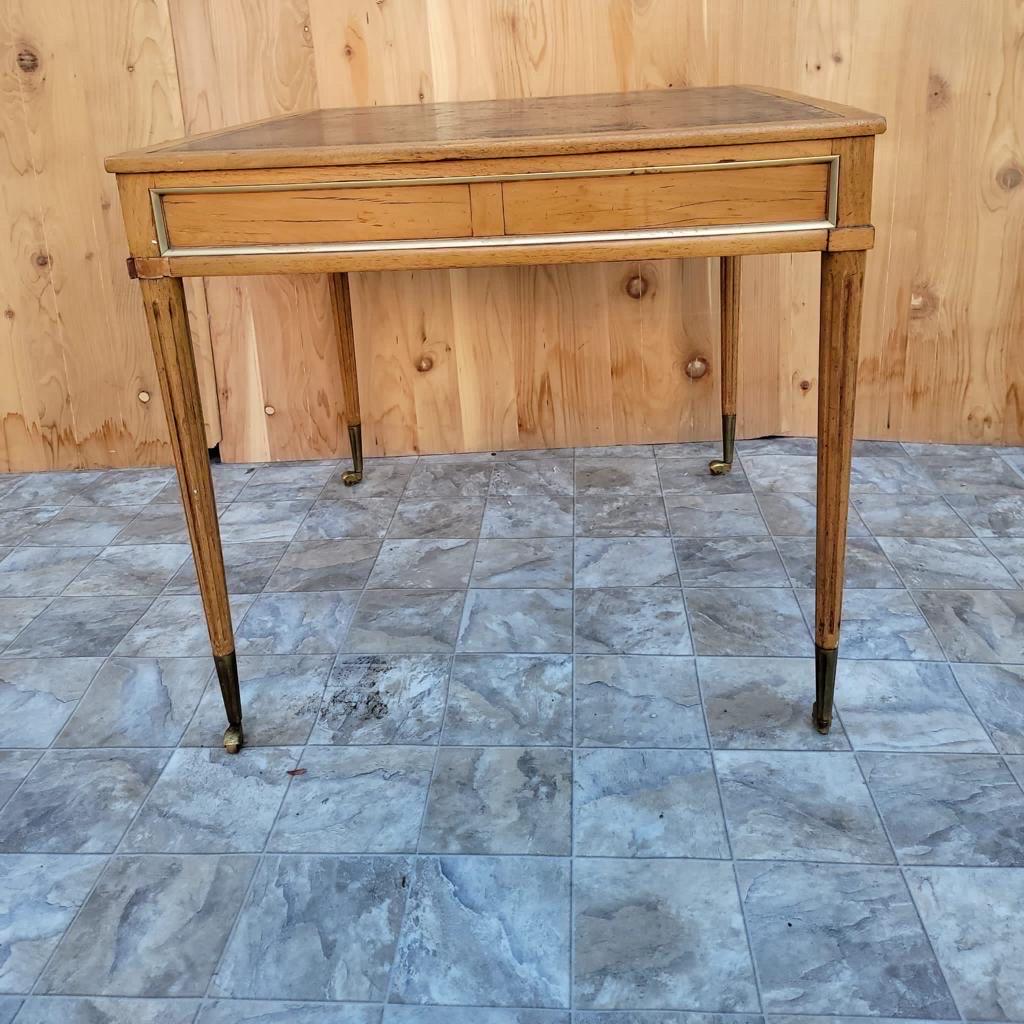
(341, 303)
(730, 274)
(175, 363)
(842, 286)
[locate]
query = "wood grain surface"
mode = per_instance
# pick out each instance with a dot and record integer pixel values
(941, 357)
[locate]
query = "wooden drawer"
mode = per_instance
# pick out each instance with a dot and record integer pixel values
(304, 216)
(668, 198)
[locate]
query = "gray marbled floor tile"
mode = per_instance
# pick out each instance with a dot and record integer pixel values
(646, 803)
(268, 521)
(996, 693)
(210, 801)
(910, 515)
(297, 623)
(621, 515)
(741, 621)
(248, 568)
(781, 473)
(976, 625)
(625, 562)
(38, 695)
(517, 622)
(395, 1014)
(906, 705)
(837, 939)
(991, 515)
(9, 1006)
(228, 481)
(32, 490)
(940, 563)
(611, 475)
(675, 1017)
(691, 476)
(125, 487)
(799, 805)
(510, 699)
(141, 570)
(319, 565)
(973, 919)
(954, 474)
(83, 526)
(42, 572)
(450, 480)
(1009, 551)
(631, 620)
(540, 562)
(83, 627)
(873, 475)
(794, 514)
(406, 622)
(528, 515)
(714, 515)
(14, 766)
(281, 696)
(287, 481)
(661, 934)
(729, 562)
(138, 702)
(690, 450)
(867, 567)
(616, 451)
(499, 800)
(355, 800)
(764, 704)
(458, 518)
(637, 701)
(949, 808)
(101, 1010)
(964, 451)
(335, 520)
(155, 524)
(287, 943)
(16, 613)
(238, 1011)
(777, 446)
(1016, 766)
(39, 897)
(382, 478)
(423, 565)
(383, 699)
(78, 801)
(881, 624)
(16, 525)
(552, 477)
(486, 931)
(153, 926)
(173, 627)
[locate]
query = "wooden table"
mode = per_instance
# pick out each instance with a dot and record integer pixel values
(645, 175)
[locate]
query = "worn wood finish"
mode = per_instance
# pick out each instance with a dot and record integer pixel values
(729, 368)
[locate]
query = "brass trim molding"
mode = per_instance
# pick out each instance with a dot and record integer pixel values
(157, 194)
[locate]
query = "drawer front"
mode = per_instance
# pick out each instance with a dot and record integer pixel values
(667, 198)
(314, 216)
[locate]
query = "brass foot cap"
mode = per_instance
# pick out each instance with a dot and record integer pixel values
(351, 478)
(822, 727)
(718, 467)
(233, 739)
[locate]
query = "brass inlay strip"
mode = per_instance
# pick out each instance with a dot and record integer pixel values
(157, 194)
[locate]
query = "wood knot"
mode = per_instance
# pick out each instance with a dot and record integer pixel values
(637, 286)
(424, 364)
(923, 302)
(348, 51)
(28, 61)
(269, 410)
(1009, 177)
(805, 385)
(9, 313)
(696, 368)
(144, 397)
(938, 92)
(41, 259)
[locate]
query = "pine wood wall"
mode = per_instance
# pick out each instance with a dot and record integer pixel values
(518, 357)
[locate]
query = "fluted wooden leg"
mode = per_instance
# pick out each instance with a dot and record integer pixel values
(341, 303)
(842, 286)
(175, 363)
(730, 274)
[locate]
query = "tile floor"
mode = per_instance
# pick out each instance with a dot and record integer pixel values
(528, 744)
